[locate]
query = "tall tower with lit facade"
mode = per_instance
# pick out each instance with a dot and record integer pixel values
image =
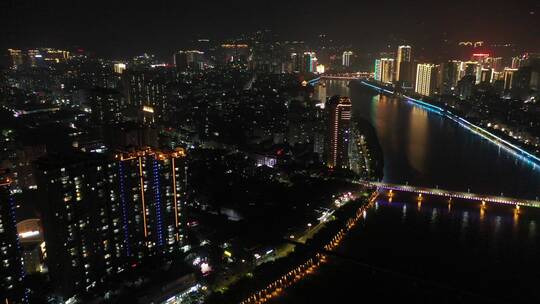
(384, 70)
(104, 214)
(309, 62)
(296, 62)
(147, 91)
(339, 111)
(404, 65)
(11, 267)
(151, 183)
(346, 58)
(16, 58)
(450, 72)
(508, 77)
(426, 79)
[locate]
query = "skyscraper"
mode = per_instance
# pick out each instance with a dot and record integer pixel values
(496, 63)
(34, 58)
(153, 181)
(16, 58)
(384, 70)
(11, 267)
(119, 68)
(486, 75)
(508, 76)
(426, 79)
(180, 61)
(106, 105)
(468, 68)
(404, 65)
(377, 70)
(192, 60)
(450, 76)
(195, 60)
(82, 220)
(235, 52)
(103, 215)
(147, 91)
(465, 87)
(309, 62)
(346, 58)
(337, 139)
(517, 62)
(526, 79)
(296, 61)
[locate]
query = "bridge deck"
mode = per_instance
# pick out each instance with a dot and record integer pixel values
(456, 194)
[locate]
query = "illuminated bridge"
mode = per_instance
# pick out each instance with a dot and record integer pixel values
(454, 194)
(341, 76)
(348, 76)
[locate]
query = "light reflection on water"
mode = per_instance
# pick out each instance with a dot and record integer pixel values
(424, 149)
(490, 249)
(491, 224)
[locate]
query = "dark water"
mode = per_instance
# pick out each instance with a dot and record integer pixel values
(434, 253)
(424, 149)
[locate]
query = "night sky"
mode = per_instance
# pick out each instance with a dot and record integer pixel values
(124, 28)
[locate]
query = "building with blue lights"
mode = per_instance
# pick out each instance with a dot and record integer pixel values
(152, 181)
(104, 214)
(11, 267)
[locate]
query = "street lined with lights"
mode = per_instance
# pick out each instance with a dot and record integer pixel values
(275, 288)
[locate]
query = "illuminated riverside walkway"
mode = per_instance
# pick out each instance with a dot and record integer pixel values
(500, 142)
(276, 288)
(296, 274)
(454, 194)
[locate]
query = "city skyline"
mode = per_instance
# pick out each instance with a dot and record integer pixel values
(283, 152)
(120, 29)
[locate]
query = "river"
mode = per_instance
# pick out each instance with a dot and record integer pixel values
(433, 252)
(422, 148)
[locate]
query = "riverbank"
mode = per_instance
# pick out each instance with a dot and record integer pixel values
(431, 252)
(270, 279)
(448, 113)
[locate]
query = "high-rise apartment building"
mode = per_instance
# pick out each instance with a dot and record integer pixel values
(384, 70)
(339, 111)
(11, 266)
(450, 72)
(192, 60)
(496, 63)
(426, 79)
(468, 68)
(517, 62)
(346, 58)
(508, 76)
(235, 52)
(119, 67)
(106, 105)
(296, 62)
(35, 58)
(151, 183)
(16, 58)
(403, 66)
(103, 215)
(309, 62)
(147, 91)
